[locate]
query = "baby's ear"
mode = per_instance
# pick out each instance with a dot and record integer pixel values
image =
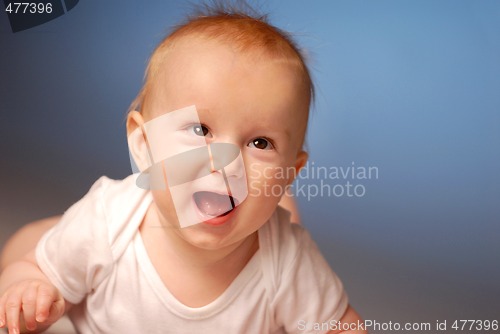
(300, 162)
(137, 142)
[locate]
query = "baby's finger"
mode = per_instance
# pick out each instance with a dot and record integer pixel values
(56, 311)
(2, 311)
(29, 307)
(12, 310)
(45, 297)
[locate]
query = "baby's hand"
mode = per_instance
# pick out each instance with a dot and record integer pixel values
(36, 302)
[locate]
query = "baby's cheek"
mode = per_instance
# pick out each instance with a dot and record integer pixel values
(266, 182)
(163, 201)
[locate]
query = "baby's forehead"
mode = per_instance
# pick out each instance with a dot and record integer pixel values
(197, 53)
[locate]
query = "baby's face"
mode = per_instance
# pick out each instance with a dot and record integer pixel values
(258, 105)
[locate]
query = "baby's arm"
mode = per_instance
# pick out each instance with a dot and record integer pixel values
(28, 302)
(25, 240)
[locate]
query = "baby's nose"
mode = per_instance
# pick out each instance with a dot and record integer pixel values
(223, 155)
(227, 157)
(193, 164)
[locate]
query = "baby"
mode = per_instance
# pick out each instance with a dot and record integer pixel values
(155, 253)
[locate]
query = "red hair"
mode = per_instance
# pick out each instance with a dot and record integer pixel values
(242, 28)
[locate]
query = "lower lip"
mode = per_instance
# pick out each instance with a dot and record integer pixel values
(219, 220)
(212, 221)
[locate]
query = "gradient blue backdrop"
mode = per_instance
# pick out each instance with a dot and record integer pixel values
(411, 87)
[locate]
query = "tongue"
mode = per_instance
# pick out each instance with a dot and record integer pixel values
(212, 204)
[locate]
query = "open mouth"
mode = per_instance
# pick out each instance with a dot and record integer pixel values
(213, 204)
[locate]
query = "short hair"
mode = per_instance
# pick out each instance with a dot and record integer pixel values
(239, 25)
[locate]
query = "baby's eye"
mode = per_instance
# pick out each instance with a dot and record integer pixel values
(200, 130)
(261, 144)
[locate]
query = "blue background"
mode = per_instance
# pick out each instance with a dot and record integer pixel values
(411, 87)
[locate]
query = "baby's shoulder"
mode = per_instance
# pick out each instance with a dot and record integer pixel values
(111, 211)
(123, 204)
(114, 195)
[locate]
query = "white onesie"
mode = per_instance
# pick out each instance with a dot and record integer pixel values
(96, 257)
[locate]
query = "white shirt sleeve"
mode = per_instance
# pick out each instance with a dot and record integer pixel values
(308, 292)
(75, 254)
